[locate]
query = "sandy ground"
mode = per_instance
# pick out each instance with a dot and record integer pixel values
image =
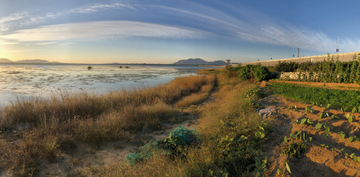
(323, 157)
(341, 86)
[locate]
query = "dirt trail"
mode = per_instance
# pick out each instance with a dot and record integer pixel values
(323, 157)
(85, 160)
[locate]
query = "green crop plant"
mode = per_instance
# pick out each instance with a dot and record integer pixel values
(306, 121)
(352, 156)
(343, 135)
(353, 139)
(312, 110)
(355, 109)
(334, 117)
(327, 128)
(294, 149)
(350, 118)
(306, 110)
(328, 106)
(336, 98)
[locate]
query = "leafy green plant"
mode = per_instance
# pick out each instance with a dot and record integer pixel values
(343, 135)
(306, 121)
(354, 110)
(294, 149)
(327, 128)
(350, 118)
(334, 117)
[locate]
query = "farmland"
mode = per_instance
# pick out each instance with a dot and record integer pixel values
(311, 131)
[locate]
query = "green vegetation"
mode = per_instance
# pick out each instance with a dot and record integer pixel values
(258, 72)
(346, 99)
(328, 70)
(296, 145)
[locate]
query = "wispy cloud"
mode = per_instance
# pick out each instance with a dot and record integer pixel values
(18, 51)
(97, 7)
(6, 21)
(44, 43)
(252, 26)
(3, 42)
(69, 43)
(25, 18)
(102, 29)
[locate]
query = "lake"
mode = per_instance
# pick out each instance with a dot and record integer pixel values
(26, 81)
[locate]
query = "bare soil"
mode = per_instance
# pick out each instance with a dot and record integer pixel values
(323, 157)
(341, 86)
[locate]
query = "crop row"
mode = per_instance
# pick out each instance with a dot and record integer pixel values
(346, 99)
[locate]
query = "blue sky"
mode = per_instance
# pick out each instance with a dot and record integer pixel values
(164, 31)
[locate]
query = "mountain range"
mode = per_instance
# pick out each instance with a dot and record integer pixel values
(198, 61)
(32, 61)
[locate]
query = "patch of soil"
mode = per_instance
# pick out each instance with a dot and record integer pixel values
(323, 157)
(341, 86)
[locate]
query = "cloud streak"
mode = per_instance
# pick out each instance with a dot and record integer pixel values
(252, 26)
(102, 29)
(24, 18)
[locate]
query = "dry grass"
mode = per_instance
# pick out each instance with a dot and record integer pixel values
(51, 126)
(209, 71)
(206, 159)
(86, 105)
(196, 98)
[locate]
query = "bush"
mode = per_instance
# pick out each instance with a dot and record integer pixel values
(250, 71)
(262, 73)
(245, 72)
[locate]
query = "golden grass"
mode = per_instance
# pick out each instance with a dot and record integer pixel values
(206, 159)
(50, 126)
(196, 98)
(66, 106)
(210, 71)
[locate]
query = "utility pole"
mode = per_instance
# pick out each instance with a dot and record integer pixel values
(293, 53)
(337, 46)
(298, 52)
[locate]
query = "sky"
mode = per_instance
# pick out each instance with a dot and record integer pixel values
(165, 31)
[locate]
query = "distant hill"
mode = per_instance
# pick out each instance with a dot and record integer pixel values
(33, 61)
(5, 60)
(198, 61)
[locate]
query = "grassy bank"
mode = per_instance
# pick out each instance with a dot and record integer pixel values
(232, 137)
(38, 129)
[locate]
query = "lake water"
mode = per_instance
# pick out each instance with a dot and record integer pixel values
(25, 81)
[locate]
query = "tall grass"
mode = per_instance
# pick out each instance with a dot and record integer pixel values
(196, 98)
(233, 134)
(52, 125)
(85, 105)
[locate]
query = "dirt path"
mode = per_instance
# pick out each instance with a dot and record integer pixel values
(341, 86)
(323, 157)
(85, 160)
